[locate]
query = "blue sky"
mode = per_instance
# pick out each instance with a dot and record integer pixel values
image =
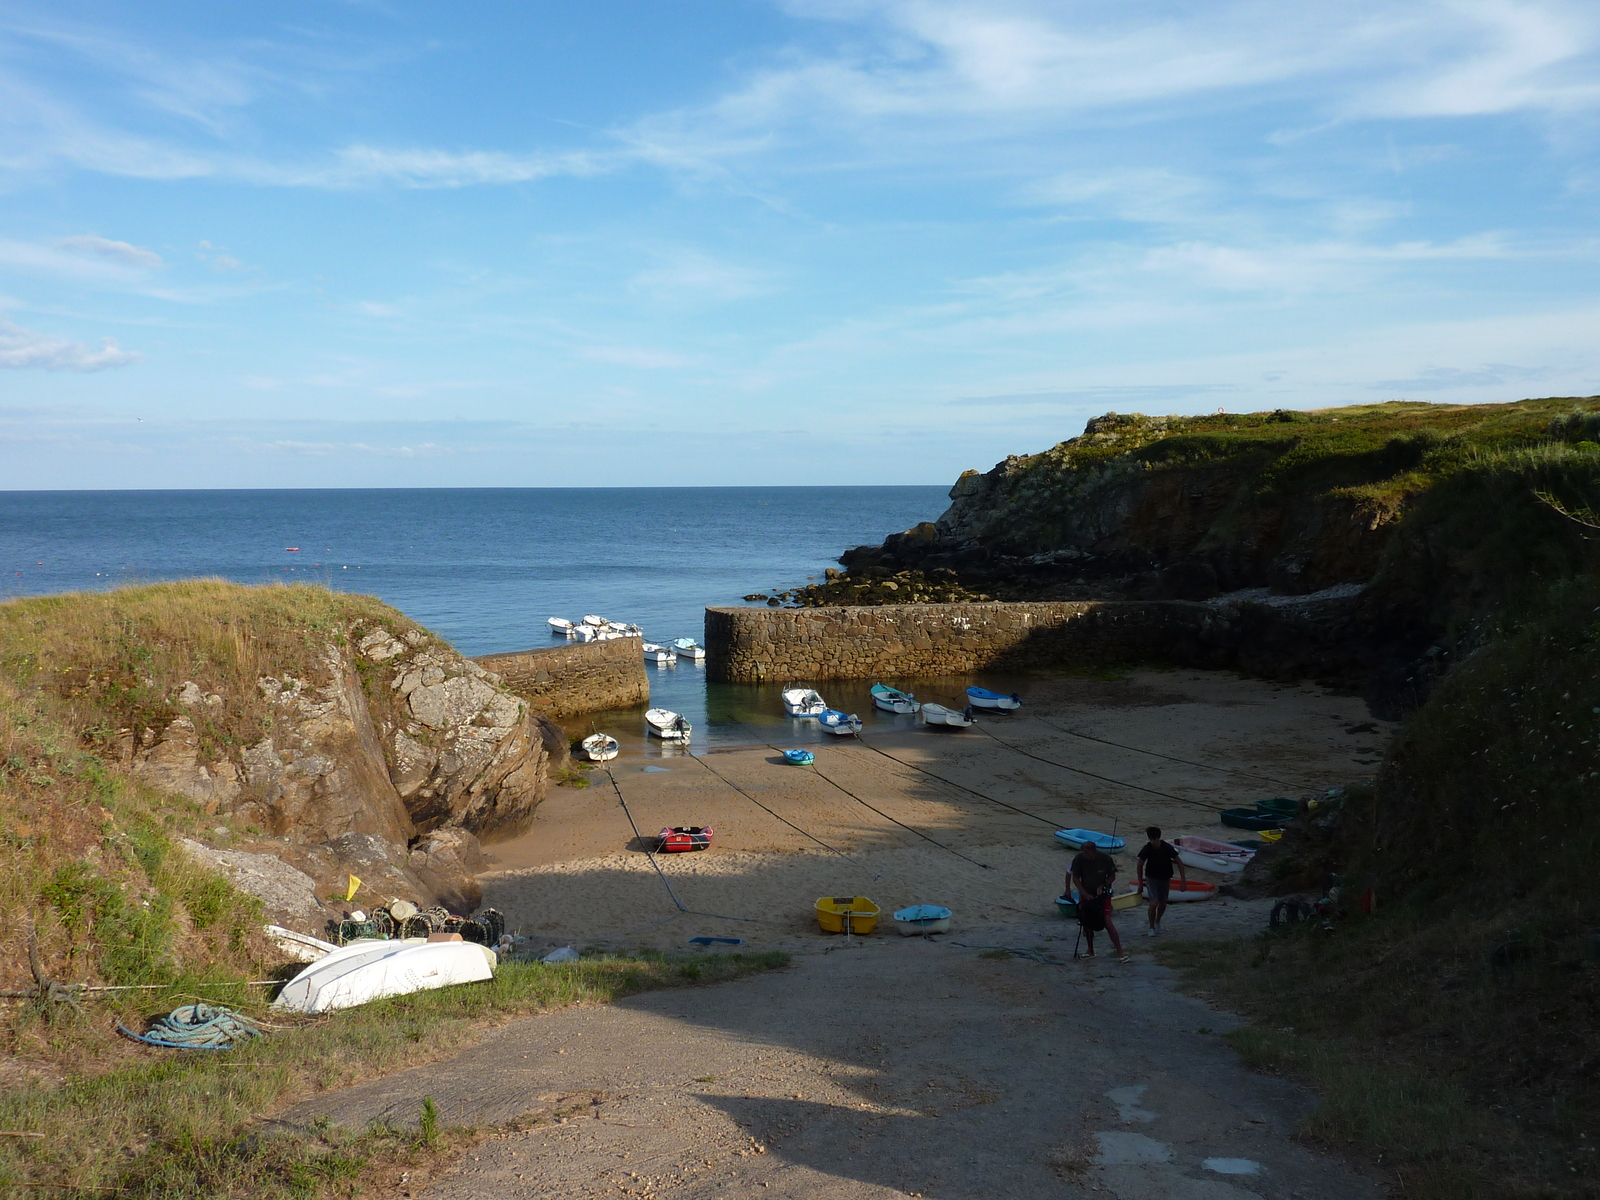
(741, 242)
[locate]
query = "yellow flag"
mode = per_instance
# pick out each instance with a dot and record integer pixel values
(355, 886)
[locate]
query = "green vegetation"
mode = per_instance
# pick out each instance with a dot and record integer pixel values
(1454, 1029)
(178, 1125)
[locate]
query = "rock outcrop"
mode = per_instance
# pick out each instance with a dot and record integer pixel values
(387, 760)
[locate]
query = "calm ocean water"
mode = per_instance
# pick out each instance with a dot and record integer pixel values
(483, 568)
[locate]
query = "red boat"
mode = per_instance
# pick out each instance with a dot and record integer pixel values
(685, 837)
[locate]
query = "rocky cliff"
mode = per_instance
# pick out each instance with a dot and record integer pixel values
(1442, 514)
(326, 732)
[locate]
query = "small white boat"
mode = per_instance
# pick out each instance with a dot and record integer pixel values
(688, 648)
(804, 702)
(659, 655)
(892, 700)
(621, 630)
(584, 633)
(370, 970)
(600, 747)
(668, 725)
(595, 622)
(561, 625)
(938, 714)
(843, 724)
(301, 946)
(922, 918)
(983, 698)
(1206, 855)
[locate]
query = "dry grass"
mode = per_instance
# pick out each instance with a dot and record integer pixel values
(173, 1124)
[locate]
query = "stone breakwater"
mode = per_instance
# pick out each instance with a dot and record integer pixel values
(766, 645)
(575, 677)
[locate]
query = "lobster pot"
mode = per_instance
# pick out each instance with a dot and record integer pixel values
(834, 912)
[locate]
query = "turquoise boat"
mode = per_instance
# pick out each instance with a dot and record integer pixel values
(800, 758)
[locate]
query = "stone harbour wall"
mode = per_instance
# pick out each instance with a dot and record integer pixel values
(575, 677)
(779, 645)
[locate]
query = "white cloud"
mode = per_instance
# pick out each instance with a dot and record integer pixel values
(123, 252)
(373, 166)
(689, 273)
(21, 349)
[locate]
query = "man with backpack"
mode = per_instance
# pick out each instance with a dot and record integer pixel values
(1092, 873)
(1156, 860)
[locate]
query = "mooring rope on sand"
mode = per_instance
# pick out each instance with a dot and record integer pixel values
(1054, 824)
(817, 771)
(1089, 737)
(667, 883)
(832, 850)
(1093, 775)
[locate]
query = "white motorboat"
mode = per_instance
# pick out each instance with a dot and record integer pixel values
(843, 724)
(600, 747)
(688, 648)
(560, 625)
(668, 725)
(370, 970)
(804, 702)
(621, 630)
(596, 621)
(938, 714)
(659, 655)
(585, 633)
(983, 698)
(892, 700)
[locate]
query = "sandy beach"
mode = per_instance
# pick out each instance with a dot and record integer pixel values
(1154, 747)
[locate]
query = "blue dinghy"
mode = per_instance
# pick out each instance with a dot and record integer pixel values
(844, 724)
(984, 698)
(1075, 839)
(800, 758)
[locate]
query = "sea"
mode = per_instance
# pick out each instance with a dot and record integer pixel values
(485, 567)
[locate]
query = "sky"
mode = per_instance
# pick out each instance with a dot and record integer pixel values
(378, 243)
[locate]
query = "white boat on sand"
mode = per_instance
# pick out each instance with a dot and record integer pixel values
(938, 714)
(1206, 855)
(600, 747)
(804, 702)
(668, 725)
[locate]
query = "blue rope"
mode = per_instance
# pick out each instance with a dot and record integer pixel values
(197, 1027)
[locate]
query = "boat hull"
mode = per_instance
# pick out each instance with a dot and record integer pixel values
(600, 747)
(1183, 892)
(938, 714)
(667, 725)
(847, 914)
(1076, 839)
(983, 698)
(683, 839)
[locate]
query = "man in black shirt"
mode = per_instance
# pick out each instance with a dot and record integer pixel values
(1156, 860)
(1092, 873)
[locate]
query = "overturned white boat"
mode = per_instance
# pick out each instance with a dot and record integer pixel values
(688, 648)
(298, 945)
(804, 702)
(938, 714)
(668, 725)
(365, 971)
(660, 655)
(599, 747)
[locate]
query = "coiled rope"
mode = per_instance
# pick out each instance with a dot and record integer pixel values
(197, 1027)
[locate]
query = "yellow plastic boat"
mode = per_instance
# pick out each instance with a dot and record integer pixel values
(834, 911)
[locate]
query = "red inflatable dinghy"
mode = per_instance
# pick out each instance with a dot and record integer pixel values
(685, 837)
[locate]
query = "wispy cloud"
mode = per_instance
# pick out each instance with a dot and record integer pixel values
(1443, 379)
(23, 349)
(123, 252)
(634, 356)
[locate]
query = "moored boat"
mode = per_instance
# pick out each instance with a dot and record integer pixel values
(678, 839)
(658, 654)
(599, 747)
(922, 918)
(594, 621)
(800, 758)
(561, 626)
(844, 724)
(803, 702)
(983, 698)
(668, 725)
(1076, 839)
(893, 700)
(688, 648)
(938, 714)
(1206, 855)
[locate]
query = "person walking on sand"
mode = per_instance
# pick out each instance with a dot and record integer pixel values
(1156, 860)
(1093, 873)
